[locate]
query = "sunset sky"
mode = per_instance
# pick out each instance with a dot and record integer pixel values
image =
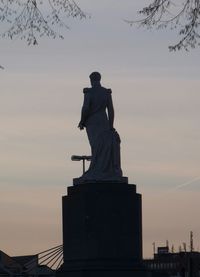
(157, 105)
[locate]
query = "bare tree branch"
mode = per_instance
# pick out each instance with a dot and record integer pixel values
(182, 15)
(27, 21)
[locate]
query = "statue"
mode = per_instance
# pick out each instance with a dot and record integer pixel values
(97, 116)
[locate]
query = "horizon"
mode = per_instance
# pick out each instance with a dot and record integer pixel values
(156, 100)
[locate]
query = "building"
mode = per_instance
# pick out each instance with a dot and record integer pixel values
(180, 264)
(23, 266)
(8, 266)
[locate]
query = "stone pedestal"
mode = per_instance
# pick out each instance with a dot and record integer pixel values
(102, 231)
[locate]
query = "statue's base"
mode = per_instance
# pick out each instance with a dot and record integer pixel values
(117, 272)
(102, 231)
(118, 180)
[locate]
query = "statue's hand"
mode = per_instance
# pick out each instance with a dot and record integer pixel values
(80, 126)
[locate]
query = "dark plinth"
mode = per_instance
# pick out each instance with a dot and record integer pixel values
(102, 231)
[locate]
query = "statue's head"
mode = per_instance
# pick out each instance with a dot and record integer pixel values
(95, 78)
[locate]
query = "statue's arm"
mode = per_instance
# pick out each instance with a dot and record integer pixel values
(110, 109)
(85, 109)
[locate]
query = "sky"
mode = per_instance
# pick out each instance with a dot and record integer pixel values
(156, 99)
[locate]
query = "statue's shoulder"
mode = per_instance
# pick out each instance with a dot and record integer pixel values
(86, 90)
(108, 90)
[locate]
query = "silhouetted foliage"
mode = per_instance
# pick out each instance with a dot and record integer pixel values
(32, 19)
(183, 15)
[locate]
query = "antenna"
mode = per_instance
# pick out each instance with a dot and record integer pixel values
(191, 242)
(154, 247)
(184, 247)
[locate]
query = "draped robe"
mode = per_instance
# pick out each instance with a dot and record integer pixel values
(97, 117)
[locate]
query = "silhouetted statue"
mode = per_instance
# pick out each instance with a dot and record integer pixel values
(97, 117)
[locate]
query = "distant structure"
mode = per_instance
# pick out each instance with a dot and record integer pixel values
(43, 264)
(163, 264)
(176, 264)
